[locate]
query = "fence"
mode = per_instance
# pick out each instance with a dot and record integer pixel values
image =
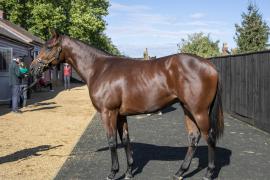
(246, 87)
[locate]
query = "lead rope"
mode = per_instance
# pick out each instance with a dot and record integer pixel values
(31, 85)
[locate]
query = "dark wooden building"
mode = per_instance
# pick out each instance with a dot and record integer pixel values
(14, 42)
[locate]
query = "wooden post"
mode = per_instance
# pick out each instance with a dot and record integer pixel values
(145, 54)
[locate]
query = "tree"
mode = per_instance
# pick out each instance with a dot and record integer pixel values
(253, 33)
(80, 19)
(199, 44)
(46, 15)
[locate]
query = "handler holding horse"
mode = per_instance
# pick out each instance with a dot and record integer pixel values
(117, 90)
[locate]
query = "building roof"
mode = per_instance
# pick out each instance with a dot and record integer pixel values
(19, 33)
(5, 33)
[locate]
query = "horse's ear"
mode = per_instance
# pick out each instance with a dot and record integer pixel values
(54, 38)
(54, 33)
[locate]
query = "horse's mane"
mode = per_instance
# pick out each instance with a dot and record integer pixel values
(90, 47)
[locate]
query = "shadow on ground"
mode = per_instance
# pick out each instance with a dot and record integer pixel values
(42, 108)
(37, 98)
(143, 153)
(26, 153)
(168, 109)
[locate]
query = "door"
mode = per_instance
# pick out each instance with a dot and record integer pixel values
(5, 59)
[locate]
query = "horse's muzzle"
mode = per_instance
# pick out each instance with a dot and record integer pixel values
(36, 70)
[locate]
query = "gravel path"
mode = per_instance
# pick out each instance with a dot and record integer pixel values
(35, 144)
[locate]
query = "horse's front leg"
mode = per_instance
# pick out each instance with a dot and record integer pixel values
(193, 138)
(122, 127)
(109, 119)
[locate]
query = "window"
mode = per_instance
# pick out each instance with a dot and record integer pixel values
(5, 58)
(36, 52)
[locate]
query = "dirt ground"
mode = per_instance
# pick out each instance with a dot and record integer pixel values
(36, 143)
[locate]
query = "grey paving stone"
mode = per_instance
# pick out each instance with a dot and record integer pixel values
(159, 145)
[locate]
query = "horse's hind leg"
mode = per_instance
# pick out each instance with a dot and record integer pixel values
(193, 138)
(211, 158)
(202, 120)
(122, 127)
(109, 119)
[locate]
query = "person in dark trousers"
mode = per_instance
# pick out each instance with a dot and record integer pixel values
(14, 82)
(67, 74)
(24, 83)
(43, 83)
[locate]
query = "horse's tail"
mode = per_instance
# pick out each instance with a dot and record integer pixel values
(216, 115)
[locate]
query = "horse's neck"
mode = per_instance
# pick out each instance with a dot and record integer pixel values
(82, 58)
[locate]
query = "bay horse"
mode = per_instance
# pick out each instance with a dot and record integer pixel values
(120, 86)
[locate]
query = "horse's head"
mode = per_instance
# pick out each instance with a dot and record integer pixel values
(50, 55)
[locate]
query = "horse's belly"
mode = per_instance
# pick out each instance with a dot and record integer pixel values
(144, 105)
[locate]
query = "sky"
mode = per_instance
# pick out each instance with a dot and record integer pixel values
(159, 25)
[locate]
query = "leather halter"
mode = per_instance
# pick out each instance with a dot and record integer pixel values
(56, 57)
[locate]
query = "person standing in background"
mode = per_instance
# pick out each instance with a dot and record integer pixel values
(67, 74)
(14, 82)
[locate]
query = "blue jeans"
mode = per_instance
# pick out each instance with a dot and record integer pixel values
(67, 82)
(16, 89)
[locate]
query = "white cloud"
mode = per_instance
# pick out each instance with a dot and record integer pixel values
(149, 31)
(127, 8)
(151, 19)
(139, 14)
(206, 23)
(142, 27)
(197, 15)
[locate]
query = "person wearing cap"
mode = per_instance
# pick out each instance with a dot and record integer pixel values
(14, 82)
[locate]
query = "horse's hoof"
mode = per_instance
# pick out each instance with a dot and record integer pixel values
(112, 175)
(206, 178)
(177, 177)
(128, 176)
(110, 178)
(209, 174)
